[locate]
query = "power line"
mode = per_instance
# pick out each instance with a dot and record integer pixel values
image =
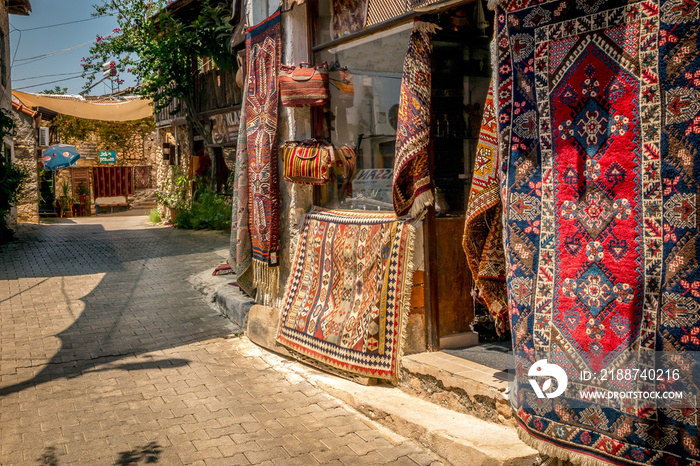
(46, 76)
(54, 53)
(58, 24)
(16, 47)
(44, 84)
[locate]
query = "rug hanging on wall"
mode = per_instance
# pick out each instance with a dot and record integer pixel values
(347, 16)
(143, 176)
(240, 251)
(412, 184)
(348, 295)
(112, 181)
(483, 230)
(263, 46)
(599, 129)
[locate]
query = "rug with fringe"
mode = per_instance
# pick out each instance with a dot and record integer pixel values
(483, 230)
(263, 48)
(347, 298)
(241, 250)
(412, 184)
(599, 125)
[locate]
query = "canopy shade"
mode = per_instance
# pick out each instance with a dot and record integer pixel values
(128, 110)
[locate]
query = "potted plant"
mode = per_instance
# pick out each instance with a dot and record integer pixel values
(84, 197)
(65, 200)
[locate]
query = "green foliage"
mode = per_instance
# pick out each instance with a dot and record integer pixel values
(12, 179)
(173, 194)
(58, 90)
(12, 175)
(154, 216)
(65, 199)
(209, 211)
(124, 136)
(160, 47)
(7, 124)
(82, 189)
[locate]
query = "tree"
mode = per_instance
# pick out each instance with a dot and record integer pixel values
(58, 90)
(161, 49)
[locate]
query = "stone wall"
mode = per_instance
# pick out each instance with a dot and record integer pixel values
(164, 172)
(144, 152)
(26, 155)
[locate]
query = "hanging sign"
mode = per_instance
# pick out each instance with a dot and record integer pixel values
(108, 156)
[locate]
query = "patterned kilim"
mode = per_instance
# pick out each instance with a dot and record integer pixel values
(348, 295)
(412, 186)
(143, 177)
(599, 128)
(263, 46)
(483, 230)
(112, 181)
(240, 251)
(347, 16)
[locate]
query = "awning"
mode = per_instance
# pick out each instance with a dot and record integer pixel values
(105, 110)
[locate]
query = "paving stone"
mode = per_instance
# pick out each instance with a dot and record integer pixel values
(109, 354)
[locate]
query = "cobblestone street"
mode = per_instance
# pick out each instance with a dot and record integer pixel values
(109, 356)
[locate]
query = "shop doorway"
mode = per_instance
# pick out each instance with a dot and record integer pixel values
(46, 193)
(461, 76)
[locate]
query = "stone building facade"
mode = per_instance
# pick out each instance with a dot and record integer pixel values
(15, 7)
(27, 123)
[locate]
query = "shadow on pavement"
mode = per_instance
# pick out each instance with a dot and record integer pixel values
(148, 454)
(143, 303)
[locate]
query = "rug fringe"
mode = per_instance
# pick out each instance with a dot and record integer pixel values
(423, 26)
(549, 449)
(406, 298)
(266, 281)
(420, 203)
(492, 4)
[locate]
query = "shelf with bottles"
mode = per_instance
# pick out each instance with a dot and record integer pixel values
(448, 126)
(452, 194)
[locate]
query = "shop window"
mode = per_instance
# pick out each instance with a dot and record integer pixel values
(365, 89)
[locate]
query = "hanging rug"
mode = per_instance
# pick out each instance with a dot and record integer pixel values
(598, 111)
(347, 298)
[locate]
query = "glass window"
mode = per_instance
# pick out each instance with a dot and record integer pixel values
(365, 88)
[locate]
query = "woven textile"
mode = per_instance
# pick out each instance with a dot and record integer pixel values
(598, 106)
(112, 181)
(347, 16)
(348, 295)
(263, 48)
(143, 177)
(412, 185)
(483, 230)
(240, 251)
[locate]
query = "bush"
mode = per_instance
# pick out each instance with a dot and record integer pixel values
(154, 216)
(12, 179)
(209, 211)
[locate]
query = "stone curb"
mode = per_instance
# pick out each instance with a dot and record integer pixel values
(225, 298)
(458, 438)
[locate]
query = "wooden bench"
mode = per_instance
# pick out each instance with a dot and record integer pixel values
(112, 201)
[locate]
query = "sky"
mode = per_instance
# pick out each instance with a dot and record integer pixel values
(35, 75)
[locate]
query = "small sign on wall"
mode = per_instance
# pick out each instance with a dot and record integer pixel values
(108, 156)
